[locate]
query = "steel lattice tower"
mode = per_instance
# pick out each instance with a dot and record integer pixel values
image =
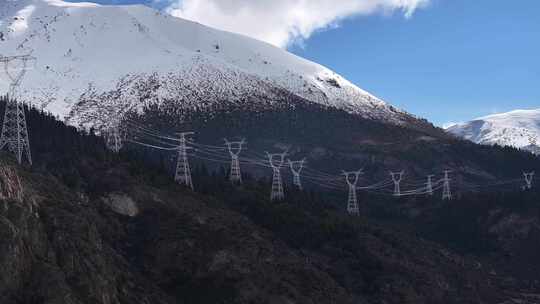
(296, 169)
(429, 184)
(528, 180)
(352, 202)
(14, 129)
(277, 193)
(447, 194)
(235, 148)
(17, 78)
(183, 172)
(113, 139)
(396, 178)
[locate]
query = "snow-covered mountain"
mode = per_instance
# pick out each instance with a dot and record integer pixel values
(520, 128)
(131, 54)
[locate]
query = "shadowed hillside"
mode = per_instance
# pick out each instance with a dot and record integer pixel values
(86, 226)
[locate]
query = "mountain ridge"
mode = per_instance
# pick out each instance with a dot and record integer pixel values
(87, 48)
(518, 128)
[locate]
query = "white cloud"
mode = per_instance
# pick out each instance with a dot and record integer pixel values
(282, 22)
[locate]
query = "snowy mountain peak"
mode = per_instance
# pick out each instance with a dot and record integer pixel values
(85, 49)
(519, 128)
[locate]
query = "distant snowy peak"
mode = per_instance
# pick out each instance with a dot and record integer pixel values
(520, 129)
(84, 49)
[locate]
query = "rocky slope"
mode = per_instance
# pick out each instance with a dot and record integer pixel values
(85, 50)
(132, 242)
(58, 247)
(520, 129)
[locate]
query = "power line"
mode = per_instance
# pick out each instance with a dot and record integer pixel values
(318, 178)
(152, 146)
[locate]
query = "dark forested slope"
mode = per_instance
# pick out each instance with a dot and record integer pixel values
(87, 226)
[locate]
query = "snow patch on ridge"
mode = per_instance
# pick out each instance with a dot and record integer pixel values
(519, 128)
(83, 45)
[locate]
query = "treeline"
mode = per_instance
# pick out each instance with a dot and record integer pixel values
(56, 148)
(334, 140)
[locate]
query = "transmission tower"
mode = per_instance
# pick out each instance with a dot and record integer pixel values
(429, 184)
(528, 180)
(396, 178)
(15, 79)
(296, 169)
(183, 172)
(447, 194)
(113, 139)
(276, 162)
(14, 128)
(352, 180)
(235, 147)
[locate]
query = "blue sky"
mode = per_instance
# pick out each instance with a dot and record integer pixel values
(451, 61)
